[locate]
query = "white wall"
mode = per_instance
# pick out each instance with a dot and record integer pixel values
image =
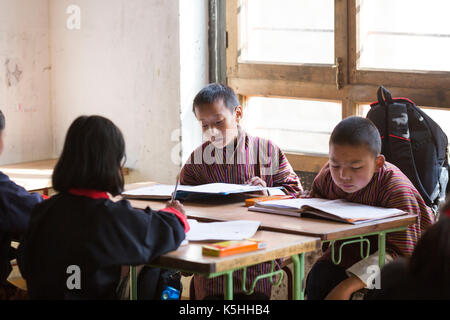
(124, 63)
(25, 94)
(194, 67)
(138, 62)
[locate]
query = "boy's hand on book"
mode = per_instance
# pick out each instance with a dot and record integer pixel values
(257, 181)
(176, 205)
(304, 194)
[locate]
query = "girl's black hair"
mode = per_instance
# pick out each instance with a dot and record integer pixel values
(214, 91)
(92, 157)
(357, 131)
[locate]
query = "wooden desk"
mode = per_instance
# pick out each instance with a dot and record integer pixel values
(324, 229)
(35, 176)
(189, 258)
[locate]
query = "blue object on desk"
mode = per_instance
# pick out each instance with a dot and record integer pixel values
(170, 293)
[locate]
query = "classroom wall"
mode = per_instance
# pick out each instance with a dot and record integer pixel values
(25, 80)
(123, 63)
(194, 68)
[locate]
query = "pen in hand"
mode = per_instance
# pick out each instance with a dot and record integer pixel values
(176, 187)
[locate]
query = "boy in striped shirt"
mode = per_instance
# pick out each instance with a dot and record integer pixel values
(230, 155)
(357, 172)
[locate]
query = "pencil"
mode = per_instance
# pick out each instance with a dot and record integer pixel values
(176, 187)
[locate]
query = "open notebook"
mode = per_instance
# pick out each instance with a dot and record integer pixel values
(337, 210)
(164, 191)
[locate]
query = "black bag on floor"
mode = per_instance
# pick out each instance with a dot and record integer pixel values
(413, 142)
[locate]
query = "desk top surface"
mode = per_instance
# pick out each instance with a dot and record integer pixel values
(33, 176)
(323, 229)
(189, 257)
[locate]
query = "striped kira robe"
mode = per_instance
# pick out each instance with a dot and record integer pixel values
(246, 157)
(389, 188)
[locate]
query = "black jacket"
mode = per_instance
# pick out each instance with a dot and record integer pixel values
(96, 235)
(15, 209)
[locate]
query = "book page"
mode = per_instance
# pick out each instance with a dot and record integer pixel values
(291, 203)
(276, 192)
(356, 211)
(223, 188)
(158, 190)
(166, 190)
(340, 208)
(229, 230)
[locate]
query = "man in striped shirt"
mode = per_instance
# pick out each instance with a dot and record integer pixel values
(230, 155)
(357, 172)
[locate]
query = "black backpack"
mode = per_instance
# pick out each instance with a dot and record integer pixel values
(413, 142)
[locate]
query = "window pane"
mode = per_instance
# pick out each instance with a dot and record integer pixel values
(363, 109)
(294, 125)
(404, 34)
(442, 118)
(295, 31)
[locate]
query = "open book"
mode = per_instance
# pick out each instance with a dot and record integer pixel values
(164, 191)
(337, 210)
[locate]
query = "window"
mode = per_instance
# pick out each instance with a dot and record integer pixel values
(289, 31)
(307, 129)
(409, 37)
(316, 62)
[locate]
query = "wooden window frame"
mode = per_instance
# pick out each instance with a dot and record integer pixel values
(342, 82)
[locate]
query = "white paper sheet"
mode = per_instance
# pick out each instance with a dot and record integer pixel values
(229, 230)
(155, 190)
(276, 192)
(165, 190)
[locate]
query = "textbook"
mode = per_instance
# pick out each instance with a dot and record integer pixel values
(227, 248)
(164, 191)
(338, 210)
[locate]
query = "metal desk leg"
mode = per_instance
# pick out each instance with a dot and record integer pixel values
(381, 249)
(228, 285)
(133, 283)
(299, 274)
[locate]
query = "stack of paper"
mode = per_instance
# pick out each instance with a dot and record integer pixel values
(164, 191)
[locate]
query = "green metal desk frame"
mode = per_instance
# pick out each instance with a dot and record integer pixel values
(362, 240)
(298, 264)
(298, 275)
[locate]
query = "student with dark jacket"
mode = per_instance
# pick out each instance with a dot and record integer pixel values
(78, 240)
(15, 209)
(426, 274)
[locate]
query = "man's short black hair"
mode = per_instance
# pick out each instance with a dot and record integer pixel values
(2, 121)
(357, 131)
(214, 91)
(92, 156)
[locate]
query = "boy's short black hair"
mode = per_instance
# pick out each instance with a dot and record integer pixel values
(357, 131)
(2, 121)
(214, 91)
(91, 158)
